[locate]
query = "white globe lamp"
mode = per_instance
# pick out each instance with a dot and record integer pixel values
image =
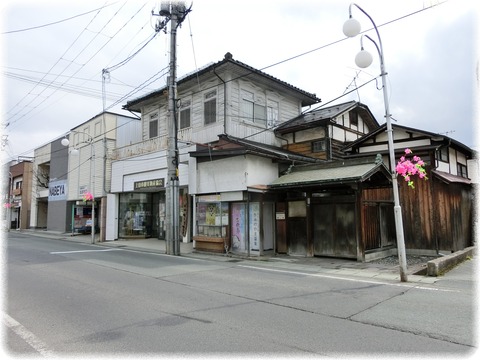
(363, 59)
(351, 28)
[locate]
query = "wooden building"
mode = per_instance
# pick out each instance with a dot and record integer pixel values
(328, 209)
(437, 213)
(342, 209)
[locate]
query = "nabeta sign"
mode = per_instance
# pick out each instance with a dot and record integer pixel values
(57, 190)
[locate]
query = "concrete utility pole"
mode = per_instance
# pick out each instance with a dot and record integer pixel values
(176, 13)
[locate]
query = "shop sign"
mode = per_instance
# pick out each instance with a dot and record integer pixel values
(146, 184)
(207, 198)
(83, 189)
(57, 190)
(254, 219)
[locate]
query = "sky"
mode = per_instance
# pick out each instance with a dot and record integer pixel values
(53, 54)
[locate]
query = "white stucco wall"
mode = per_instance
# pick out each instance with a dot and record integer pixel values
(234, 174)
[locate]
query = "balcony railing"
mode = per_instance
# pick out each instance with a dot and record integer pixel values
(140, 148)
(148, 146)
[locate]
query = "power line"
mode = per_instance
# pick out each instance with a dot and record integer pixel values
(34, 87)
(82, 66)
(56, 22)
(294, 57)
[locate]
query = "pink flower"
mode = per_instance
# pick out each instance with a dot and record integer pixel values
(408, 168)
(401, 169)
(87, 196)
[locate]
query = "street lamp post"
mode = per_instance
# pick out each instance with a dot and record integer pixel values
(10, 196)
(66, 142)
(352, 28)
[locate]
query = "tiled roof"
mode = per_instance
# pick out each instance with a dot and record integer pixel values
(244, 70)
(330, 175)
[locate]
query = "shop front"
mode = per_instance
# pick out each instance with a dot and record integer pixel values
(240, 227)
(82, 217)
(141, 214)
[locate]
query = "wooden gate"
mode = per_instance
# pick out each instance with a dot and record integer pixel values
(334, 229)
(378, 225)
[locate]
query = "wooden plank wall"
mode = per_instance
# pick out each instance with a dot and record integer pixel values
(435, 215)
(418, 214)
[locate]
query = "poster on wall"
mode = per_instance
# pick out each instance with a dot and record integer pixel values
(211, 215)
(254, 218)
(238, 227)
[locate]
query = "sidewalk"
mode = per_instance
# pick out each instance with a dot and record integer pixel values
(332, 266)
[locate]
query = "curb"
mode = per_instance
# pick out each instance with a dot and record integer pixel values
(441, 265)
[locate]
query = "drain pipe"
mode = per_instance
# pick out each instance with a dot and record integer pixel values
(224, 101)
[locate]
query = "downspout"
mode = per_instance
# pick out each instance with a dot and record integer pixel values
(224, 101)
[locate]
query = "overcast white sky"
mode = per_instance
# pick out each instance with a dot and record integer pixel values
(52, 73)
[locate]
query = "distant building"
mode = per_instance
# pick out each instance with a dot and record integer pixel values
(17, 204)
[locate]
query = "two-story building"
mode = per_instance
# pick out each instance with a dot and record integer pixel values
(220, 178)
(17, 203)
(344, 208)
(50, 187)
(62, 173)
(437, 213)
(91, 145)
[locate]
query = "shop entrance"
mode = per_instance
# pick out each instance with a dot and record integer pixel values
(141, 215)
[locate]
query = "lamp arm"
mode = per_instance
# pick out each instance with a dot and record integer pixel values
(379, 46)
(380, 52)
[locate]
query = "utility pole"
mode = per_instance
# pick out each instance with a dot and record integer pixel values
(175, 12)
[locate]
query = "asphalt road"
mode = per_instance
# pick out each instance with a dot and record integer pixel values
(65, 298)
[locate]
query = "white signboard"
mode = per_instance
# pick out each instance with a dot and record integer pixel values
(57, 190)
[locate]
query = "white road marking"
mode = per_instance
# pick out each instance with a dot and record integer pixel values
(357, 280)
(82, 251)
(27, 336)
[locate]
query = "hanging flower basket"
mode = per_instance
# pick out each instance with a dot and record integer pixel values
(408, 168)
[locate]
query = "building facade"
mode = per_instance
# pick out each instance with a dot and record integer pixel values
(18, 200)
(90, 148)
(217, 178)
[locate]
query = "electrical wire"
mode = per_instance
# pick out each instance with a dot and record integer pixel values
(316, 49)
(56, 22)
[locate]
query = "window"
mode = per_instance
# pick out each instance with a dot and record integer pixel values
(98, 129)
(319, 146)
(212, 218)
(85, 134)
(443, 154)
(272, 113)
(247, 105)
(259, 115)
(353, 119)
(462, 170)
(153, 126)
(252, 110)
(185, 114)
(210, 107)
